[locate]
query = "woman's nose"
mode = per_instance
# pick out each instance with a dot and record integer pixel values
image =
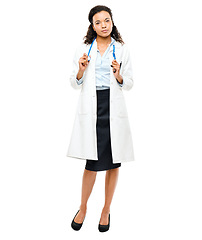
(103, 25)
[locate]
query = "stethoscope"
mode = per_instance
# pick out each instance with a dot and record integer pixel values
(89, 58)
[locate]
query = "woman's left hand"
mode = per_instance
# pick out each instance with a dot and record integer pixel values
(116, 67)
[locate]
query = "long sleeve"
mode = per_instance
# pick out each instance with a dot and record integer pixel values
(80, 81)
(126, 70)
(75, 83)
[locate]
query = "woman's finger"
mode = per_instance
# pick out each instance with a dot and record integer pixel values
(84, 58)
(114, 62)
(84, 62)
(116, 66)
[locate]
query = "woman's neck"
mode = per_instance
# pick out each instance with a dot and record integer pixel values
(103, 40)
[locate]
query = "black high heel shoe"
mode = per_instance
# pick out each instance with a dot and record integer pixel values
(104, 228)
(76, 226)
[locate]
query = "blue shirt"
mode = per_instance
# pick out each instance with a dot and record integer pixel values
(102, 70)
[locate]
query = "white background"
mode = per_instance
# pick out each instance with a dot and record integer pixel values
(158, 195)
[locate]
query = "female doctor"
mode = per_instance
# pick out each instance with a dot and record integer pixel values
(101, 133)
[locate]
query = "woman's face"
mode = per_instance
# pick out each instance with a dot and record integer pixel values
(102, 24)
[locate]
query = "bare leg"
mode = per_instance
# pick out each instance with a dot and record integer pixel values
(87, 186)
(110, 185)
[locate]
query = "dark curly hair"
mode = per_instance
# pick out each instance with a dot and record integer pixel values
(91, 34)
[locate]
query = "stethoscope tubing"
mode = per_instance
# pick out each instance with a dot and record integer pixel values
(114, 56)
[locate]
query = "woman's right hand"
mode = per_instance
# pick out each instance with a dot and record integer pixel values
(83, 62)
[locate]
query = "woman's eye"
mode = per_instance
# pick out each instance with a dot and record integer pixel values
(97, 23)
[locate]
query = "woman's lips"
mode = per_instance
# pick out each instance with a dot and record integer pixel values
(104, 31)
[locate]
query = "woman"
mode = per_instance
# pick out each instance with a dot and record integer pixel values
(101, 133)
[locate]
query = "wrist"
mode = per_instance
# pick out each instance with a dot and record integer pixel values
(119, 79)
(79, 74)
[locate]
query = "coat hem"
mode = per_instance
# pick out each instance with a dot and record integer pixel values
(81, 158)
(125, 161)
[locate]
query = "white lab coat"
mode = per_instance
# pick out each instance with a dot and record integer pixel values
(83, 141)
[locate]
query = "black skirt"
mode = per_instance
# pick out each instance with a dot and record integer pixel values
(104, 161)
